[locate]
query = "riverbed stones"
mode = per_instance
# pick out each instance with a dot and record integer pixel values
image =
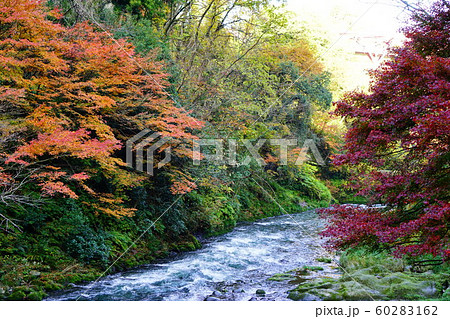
(368, 284)
(260, 293)
(298, 296)
(324, 260)
(355, 291)
(211, 299)
(282, 277)
(319, 283)
(295, 295)
(310, 297)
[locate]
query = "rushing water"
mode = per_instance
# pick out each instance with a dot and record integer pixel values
(228, 267)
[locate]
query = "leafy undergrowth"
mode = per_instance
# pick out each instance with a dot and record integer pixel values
(216, 210)
(23, 279)
(377, 276)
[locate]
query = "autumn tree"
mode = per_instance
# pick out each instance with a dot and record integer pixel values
(398, 145)
(71, 97)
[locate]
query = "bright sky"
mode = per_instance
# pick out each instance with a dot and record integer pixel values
(370, 17)
(354, 18)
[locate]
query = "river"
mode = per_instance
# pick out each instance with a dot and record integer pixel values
(228, 267)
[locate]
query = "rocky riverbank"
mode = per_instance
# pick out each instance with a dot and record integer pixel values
(370, 276)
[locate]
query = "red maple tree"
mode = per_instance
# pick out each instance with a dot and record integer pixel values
(398, 145)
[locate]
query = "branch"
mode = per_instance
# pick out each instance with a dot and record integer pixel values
(415, 9)
(228, 69)
(173, 20)
(8, 223)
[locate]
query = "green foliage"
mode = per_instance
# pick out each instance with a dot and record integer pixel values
(212, 211)
(359, 258)
(87, 246)
(154, 10)
(342, 193)
(215, 210)
(394, 277)
(303, 180)
(312, 88)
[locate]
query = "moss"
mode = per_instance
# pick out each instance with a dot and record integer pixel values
(305, 270)
(327, 294)
(318, 283)
(51, 285)
(355, 291)
(260, 292)
(36, 295)
(446, 295)
(189, 245)
(16, 295)
(313, 268)
(324, 260)
(408, 287)
(282, 277)
(296, 296)
(376, 275)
